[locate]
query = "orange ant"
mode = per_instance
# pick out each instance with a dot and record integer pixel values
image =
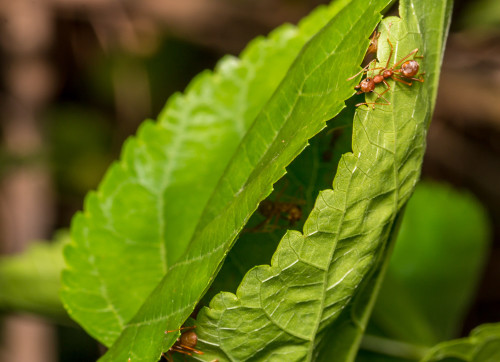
(185, 343)
(372, 48)
(408, 70)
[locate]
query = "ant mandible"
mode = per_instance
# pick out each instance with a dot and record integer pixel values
(408, 70)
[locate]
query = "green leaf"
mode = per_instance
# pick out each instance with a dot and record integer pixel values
(432, 20)
(30, 281)
(144, 214)
(312, 171)
(285, 310)
(483, 345)
(344, 335)
(429, 288)
(313, 91)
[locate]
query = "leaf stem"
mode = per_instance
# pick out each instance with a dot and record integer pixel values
(392, 347)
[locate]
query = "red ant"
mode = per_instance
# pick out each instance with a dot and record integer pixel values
(408, 70)
(185, 343)
(275, 210)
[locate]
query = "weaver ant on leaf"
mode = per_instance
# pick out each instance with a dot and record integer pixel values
(185, 344)
(406, 73)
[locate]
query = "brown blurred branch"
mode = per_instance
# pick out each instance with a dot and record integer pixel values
(222, 24)
(25, 190)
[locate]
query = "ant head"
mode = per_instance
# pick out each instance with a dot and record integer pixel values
(409, 68)
(266, 207)
(367, 85)
(295, 214)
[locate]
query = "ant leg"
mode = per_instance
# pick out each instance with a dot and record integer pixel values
(384, 92)
(262, 225)
(385, 99)
(379, 95)
(390, 43)
(272, 222)
(421, 80)
(281, 192)
(364, 70)
(414, 51)
(168, 357)
(180, 329)
(401, 81)
(372, 48)
(180, 351)
(374, 103)
(194, 350)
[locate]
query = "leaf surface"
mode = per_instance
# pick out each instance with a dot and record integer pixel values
(283, 311)
(483, 345)
(432, 20)
(431, 27)
(312, 171)
(144, 214)
(313, 91)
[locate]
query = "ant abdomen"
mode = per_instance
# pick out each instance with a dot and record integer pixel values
(189, 339)
(409, 68)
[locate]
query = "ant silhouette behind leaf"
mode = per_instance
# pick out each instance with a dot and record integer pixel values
(290, 211)
(403, 71)
(276, 210)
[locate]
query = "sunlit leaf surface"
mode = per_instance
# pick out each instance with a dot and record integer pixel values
(483, 345)
(280, 312)
(313, 91)
(144, 214)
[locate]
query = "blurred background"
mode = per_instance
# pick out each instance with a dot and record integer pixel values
(78, 77)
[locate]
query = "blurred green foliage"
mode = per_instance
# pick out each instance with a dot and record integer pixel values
(80, 147)
(481, 15)
(30, 281)
(482, 345)
(435, 268)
